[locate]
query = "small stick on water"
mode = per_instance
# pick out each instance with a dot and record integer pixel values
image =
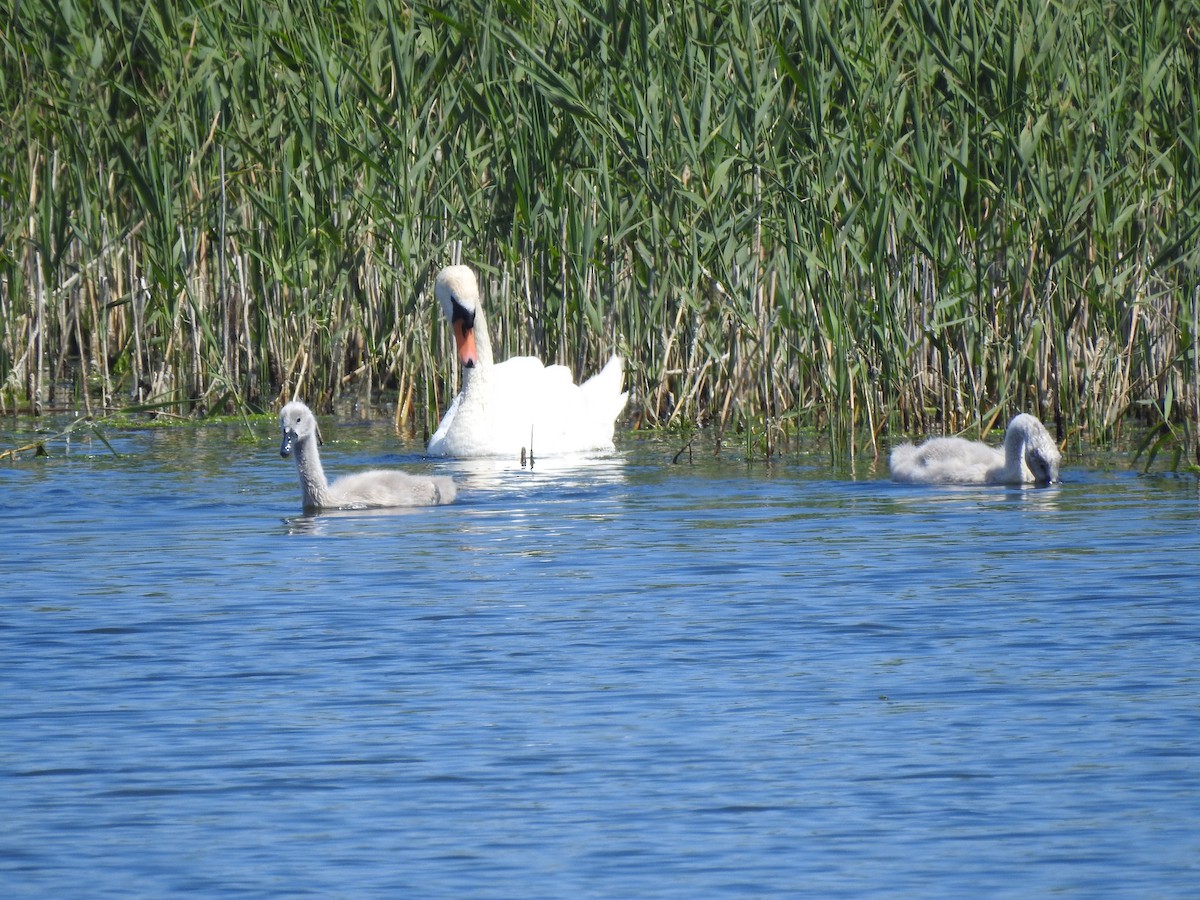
(688, 448)
(39, 446)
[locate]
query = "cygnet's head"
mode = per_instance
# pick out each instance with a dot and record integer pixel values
(298, 423)
(457, 293)
(1041, 453)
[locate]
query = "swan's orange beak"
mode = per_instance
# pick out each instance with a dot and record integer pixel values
(464, 337)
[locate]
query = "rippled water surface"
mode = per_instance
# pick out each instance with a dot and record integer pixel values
(622, 679)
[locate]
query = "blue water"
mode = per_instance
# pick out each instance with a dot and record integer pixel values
(625, 679)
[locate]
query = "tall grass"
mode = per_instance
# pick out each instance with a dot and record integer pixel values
(861, 217)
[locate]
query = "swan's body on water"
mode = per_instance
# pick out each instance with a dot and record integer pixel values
(519, 405)
(1028, 456)
(373, 489)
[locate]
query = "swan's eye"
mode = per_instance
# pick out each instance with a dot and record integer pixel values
(460, 313)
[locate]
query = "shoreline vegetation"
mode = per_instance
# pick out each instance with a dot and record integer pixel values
(867, 219)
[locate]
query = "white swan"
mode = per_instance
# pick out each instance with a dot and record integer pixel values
(362, 490)
(1029, 456)
(519, 405)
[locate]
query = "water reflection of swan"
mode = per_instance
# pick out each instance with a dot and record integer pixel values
(362, 490)
(512, 478)
(1029, 456)
(519, 405)
(319, 521)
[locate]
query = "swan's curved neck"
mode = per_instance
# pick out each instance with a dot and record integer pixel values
(312, 476)
(476, 378)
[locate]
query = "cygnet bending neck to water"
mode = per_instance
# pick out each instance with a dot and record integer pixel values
(1029, 456)
(362, 490)
(519, 404)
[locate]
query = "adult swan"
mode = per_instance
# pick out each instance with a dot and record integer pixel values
(520, 405)
(1029, 456)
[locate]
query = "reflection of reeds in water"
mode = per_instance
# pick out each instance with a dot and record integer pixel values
(855, 217)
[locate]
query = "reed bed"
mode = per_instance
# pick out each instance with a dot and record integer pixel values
(860, 217)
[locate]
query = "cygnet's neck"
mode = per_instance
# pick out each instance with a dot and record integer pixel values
(1016, 440)
(313, 484)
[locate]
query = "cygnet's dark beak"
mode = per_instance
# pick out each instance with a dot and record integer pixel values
(1043, 470)
(285, 448)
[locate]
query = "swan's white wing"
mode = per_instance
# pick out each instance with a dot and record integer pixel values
(541, 406)
(529, 405)
(605, 391)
